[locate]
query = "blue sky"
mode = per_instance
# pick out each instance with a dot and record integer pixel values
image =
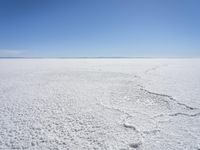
(94, 28)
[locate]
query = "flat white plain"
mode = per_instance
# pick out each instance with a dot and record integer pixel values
(100, 104)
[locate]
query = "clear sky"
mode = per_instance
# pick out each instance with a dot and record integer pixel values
(94, 28)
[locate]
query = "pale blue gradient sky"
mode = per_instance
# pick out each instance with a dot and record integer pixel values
(91, 28)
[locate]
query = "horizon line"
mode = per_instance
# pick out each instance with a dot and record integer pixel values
(98, 57)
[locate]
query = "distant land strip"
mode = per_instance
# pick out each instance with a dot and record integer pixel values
(94, 57)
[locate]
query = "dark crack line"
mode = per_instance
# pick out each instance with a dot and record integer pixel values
(178, 114)
(126, 125)
(151, 132)
(171, 98)
(130, 127)
(189, 107)
(184, 114)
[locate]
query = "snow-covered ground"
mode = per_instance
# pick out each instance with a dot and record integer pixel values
(150, 104)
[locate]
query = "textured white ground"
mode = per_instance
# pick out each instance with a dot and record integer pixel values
(150, 104)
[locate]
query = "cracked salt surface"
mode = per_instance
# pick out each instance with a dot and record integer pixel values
(100, 104)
